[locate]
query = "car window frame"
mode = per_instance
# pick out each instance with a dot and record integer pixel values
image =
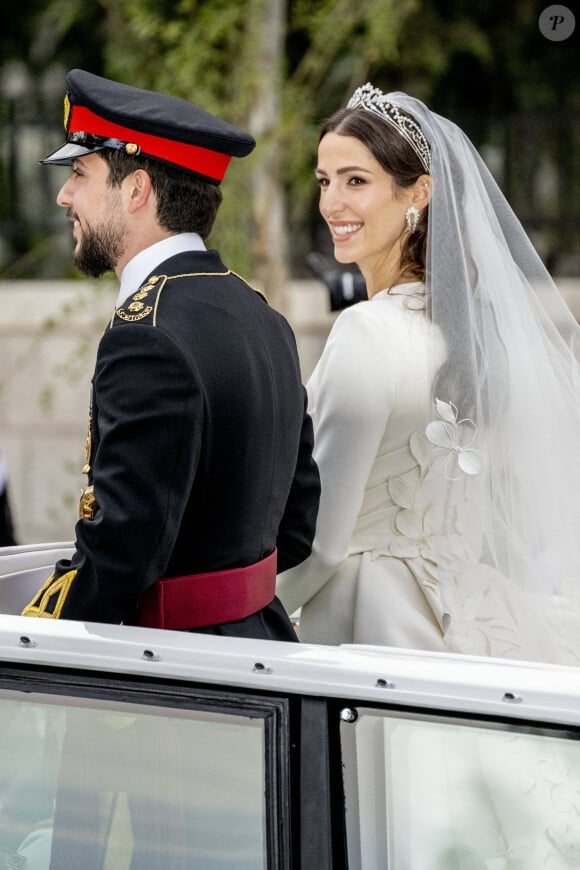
(273, 708)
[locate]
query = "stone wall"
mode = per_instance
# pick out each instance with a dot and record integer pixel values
(49, 332)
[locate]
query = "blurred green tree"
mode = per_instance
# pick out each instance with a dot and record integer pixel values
(272, 67)
(278, 67)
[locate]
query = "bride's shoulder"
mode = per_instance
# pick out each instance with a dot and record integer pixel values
(389, 311)
(360, 321)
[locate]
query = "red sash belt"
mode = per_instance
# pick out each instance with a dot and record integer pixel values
(196, 600)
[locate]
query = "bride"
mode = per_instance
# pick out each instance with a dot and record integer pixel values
(446, 407)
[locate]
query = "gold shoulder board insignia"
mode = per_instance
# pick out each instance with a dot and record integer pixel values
(137, 308)
(124, 316)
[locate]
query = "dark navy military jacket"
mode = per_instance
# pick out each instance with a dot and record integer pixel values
(200, 449)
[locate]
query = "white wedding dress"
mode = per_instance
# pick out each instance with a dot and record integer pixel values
(399, 502)
(368, 393)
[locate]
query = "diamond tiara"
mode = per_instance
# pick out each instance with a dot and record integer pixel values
(374, 100)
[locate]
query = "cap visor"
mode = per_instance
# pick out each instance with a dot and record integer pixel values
(65, 155)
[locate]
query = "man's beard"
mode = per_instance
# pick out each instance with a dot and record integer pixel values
(99, 251)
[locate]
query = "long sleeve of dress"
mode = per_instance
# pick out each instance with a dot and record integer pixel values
(351, 395)
(296, 530)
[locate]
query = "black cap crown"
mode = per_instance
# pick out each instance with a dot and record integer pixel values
(100, 113)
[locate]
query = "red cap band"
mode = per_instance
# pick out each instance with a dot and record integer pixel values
(201, 160)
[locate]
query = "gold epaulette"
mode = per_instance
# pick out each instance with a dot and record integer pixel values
(142, 304)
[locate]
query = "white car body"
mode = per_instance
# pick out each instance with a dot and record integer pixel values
(314, 756)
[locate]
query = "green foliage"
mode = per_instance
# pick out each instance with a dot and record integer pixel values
(194, 50)
(476, 62)
(205, 51)
(335, 46)
(186, 48)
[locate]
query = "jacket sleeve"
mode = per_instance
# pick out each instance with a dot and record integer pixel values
(351, 393)
(150, 421)
(296, 531)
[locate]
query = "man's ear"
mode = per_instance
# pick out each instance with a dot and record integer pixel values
(138, 189)
(422, 191)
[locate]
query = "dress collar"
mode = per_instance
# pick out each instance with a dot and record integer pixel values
(413, 294)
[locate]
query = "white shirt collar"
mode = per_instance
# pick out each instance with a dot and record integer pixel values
(145, 262)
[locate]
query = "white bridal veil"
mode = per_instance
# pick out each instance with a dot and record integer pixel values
(505, 431)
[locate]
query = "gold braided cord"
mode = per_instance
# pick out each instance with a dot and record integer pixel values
(60, 587)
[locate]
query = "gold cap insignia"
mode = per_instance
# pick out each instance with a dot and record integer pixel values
(66, 111)
(131, 148)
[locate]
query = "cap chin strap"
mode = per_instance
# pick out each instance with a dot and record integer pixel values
(92, 143)
(79, 144)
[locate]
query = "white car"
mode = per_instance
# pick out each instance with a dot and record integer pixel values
(137, 749)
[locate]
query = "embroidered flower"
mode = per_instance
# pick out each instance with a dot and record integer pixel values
(515, 855)
(413, 527)
(479, 618)
(456, 436)
(418, 528)
(564, 785)
(564, 839)
(416, 532)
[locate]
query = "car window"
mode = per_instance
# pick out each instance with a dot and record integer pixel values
(99, 784)
(449, 794)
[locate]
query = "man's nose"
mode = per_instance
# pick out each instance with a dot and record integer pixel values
(63, 197)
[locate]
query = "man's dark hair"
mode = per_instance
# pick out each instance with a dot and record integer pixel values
(185, 203)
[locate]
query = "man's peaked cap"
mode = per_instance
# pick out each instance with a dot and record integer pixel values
(100, 113)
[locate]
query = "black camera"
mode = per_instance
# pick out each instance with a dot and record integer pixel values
(345, 287)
